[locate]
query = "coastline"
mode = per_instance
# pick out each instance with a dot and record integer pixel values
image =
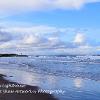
(12, 55)
(15, 91)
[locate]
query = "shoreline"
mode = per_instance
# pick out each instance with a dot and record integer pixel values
(15, 91)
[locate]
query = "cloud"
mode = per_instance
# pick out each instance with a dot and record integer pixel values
(36, 36)
(79, 38)
(4, 36)
(72, 4)
(30, 39)
(45, 40)
(40, 29)
(34, 5)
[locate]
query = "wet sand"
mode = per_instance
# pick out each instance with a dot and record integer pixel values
(14, 91)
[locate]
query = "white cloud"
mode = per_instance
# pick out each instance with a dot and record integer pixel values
(33, 5)
(36, 36)
(79, 38)
(34, 29)
(30, 39)
(54, 40)
(6, 45)
(45, 39)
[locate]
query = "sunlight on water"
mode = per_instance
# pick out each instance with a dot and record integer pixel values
(78, 82)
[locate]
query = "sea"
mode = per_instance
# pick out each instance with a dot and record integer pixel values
(66, 77)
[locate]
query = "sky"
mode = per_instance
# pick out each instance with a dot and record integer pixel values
(50, 27)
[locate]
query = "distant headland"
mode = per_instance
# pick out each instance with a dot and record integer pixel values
(12, 55)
